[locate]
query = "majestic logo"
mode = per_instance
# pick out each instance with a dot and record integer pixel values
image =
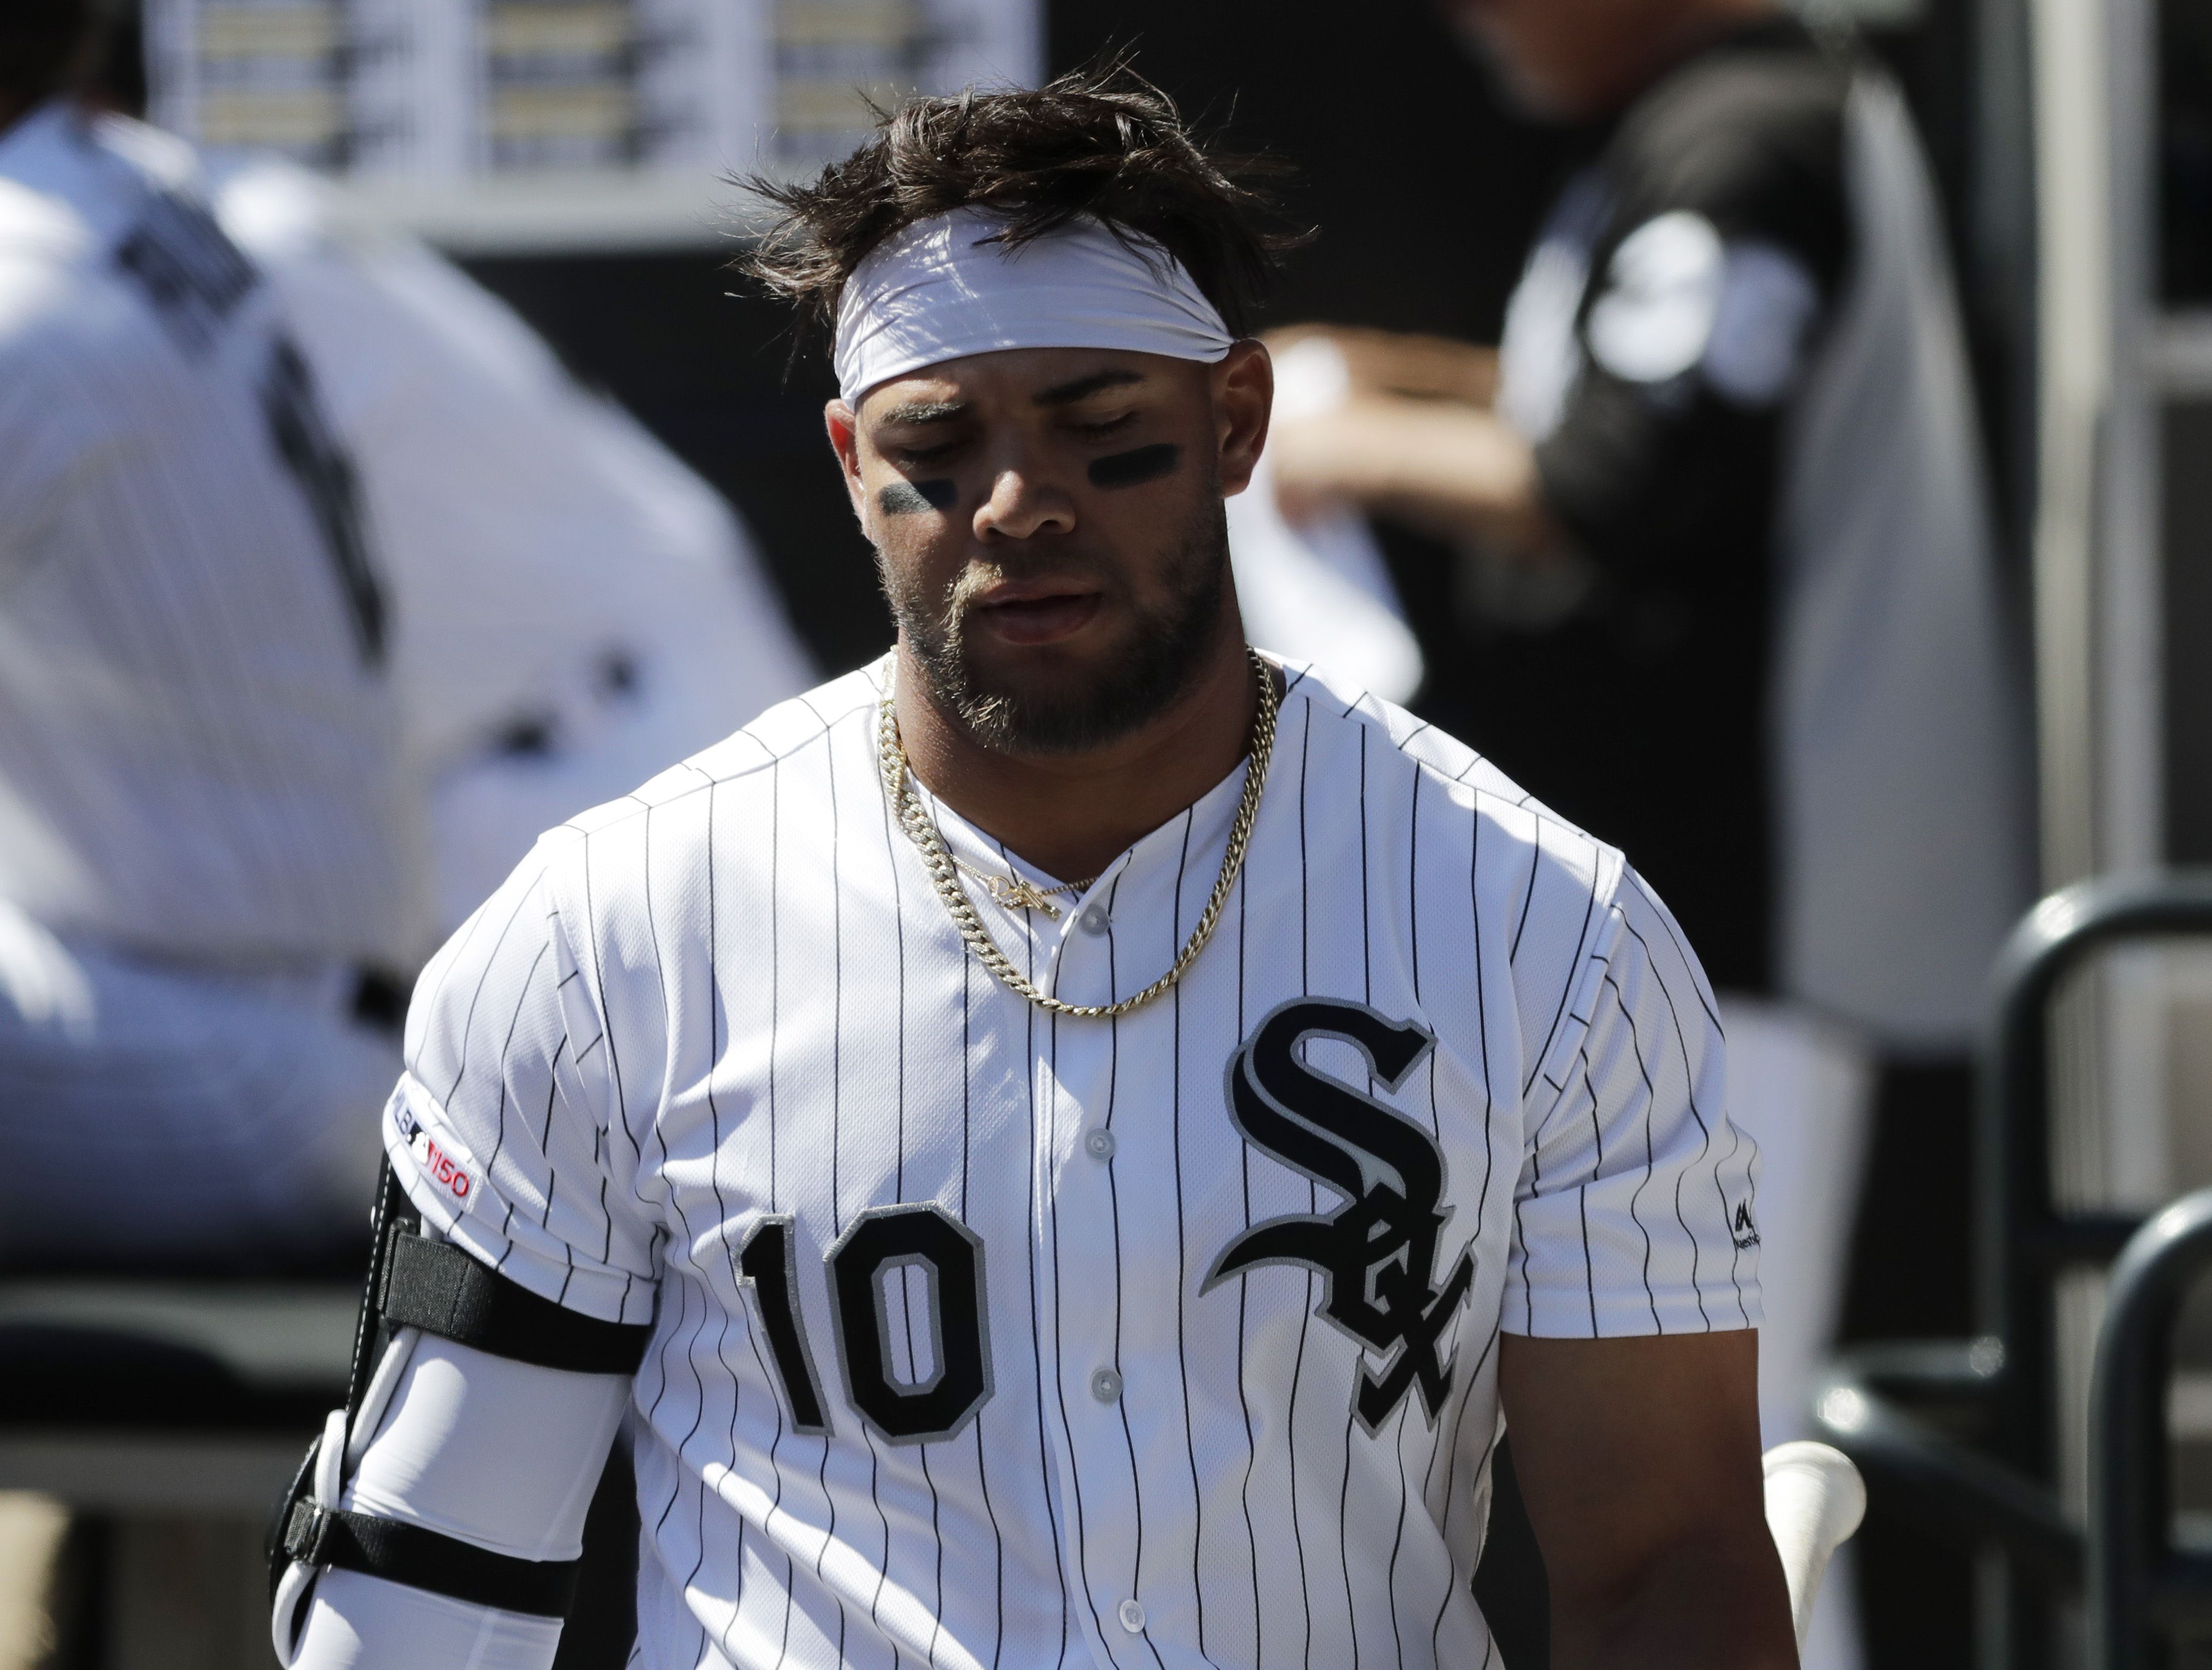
(1744, 1234)
(1376, 1253)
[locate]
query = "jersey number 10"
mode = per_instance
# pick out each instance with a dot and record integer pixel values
(877, 1244)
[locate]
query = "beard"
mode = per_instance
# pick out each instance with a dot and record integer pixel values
(1168, 647)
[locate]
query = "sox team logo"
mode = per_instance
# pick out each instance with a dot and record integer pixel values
(1376, 1253)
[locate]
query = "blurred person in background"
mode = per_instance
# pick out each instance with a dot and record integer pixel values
(574, 609)
(323, 590)
(1728, 573)
(209, 874)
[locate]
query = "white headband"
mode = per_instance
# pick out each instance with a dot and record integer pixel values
(936, 291)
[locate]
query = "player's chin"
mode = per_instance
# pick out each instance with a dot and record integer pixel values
(1072, 670)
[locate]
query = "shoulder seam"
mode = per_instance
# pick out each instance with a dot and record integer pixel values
(774, 757)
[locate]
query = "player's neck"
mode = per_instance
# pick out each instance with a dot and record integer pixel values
(1072, 815)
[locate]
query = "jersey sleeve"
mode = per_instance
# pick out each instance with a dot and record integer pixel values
(1633, 1213)
(1726, 238)
(507, 1128)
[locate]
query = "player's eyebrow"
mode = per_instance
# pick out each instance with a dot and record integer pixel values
(1083, 388)
(925, 411)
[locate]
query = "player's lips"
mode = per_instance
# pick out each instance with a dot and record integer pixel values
(1042, 610)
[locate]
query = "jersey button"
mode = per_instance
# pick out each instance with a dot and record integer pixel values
(1106, 1386)
(1093, 921)
(1099, 1144)
(1132, 1616)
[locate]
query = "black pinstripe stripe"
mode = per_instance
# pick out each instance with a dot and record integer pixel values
(1351, 1420)
(1435, 1131)
(1137, 1586)
(1037, 1332)
(614, 1065)
(1481, 1218)
(684, 1478)
(469, 1022)
(1651, 1096)
(1735, 1251)
(1705, 1125)
(1313, 1197)
(983, 1472)
(1536, 1180)
(1597, 1145)
(1182, 1243)
(1060, 1344)
(936, 1507)
(1567, 986)
(723, 1221)
(836, 1094)
(1243, 1299)
(506, 1045)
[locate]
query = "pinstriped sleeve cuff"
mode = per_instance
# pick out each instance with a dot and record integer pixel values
(1559, 1293)
(1634, 1213)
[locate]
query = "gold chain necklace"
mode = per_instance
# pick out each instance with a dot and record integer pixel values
(1018, 892)
(944, 874)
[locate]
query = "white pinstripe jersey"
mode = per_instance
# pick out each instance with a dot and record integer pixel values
(987, 1339)
(197, 751)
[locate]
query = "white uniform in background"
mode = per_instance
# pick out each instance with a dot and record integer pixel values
(202, 827)
(1319, 590)
(574, 608)
(986, 1337)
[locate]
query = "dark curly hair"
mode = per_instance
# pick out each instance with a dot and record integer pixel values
(1100, 141)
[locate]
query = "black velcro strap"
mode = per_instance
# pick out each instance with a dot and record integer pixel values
(429, 1560)
(443, 1291)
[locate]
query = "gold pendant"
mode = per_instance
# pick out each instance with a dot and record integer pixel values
(1021, 895)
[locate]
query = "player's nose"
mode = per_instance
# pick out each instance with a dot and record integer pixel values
(1023, 504)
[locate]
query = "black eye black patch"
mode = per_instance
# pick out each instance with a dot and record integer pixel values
(904, 498)
(1133, 469)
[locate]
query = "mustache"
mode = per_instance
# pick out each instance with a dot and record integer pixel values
(979, 576)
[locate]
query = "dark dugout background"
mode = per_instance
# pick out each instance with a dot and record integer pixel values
(1426, 194)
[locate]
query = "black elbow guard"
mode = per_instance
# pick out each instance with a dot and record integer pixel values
(416, 1282)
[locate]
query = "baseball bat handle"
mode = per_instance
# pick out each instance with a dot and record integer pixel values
(1814, 1501)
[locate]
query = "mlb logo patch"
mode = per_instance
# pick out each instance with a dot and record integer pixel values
(437, 1164)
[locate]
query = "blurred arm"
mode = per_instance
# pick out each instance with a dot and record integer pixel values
(1450, 470)
(1399, 363)
(1639, 1461)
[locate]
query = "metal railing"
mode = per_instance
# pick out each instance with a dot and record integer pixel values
(1964, 1434)
(2142, 1586)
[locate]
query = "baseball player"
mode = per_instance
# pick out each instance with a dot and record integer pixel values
(205, 849)
(573, 607)
(1066, 1142)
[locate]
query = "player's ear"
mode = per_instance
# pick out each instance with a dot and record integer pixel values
(1244, 386)
(845, 440)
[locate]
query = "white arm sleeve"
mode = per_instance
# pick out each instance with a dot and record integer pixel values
(499, 1454)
